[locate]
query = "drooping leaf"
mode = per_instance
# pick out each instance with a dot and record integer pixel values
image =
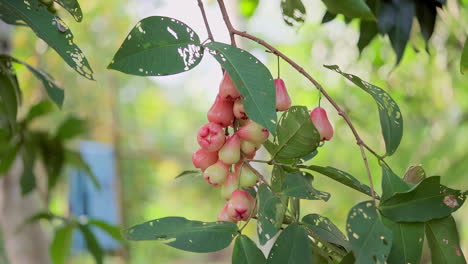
(70, 128)
(28, 179)
(391, 183)
(399, 34)
(180, 233)
(158, 46)
(52, 30)
(75, 159)
(464, 58)
(326, 230)
(408, 240)
(10, 96)
(426, 14)
(414, 175)
(254, 81)
(327, 17)
(112, 230)
(386, 16)
(294, 12)
(298, 184)
(426, 201)
(246, 252)
(92, 243)
(270, 211)
(61, 244)
(73, 7)
(248, 7)
(350, 8)
(186, 173)
(370, 239)
(367, 31)
(40, 109)
(391, 120)
(342, 177)
(297, 136)
(442, 236)
(291, 247)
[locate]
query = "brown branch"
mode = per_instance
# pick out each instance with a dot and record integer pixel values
(205, 20)
(341, 112)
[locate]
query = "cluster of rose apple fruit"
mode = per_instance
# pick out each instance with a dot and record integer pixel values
(222, 157)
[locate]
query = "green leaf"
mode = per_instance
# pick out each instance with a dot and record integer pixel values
(367, 31)
(340, 176)
(28, 179)
(386, 16)
(408, 240)
(294, 12)
(348, 259)
(399, 34)
(71, 128)
(180, 233)
(291, 247)
(10, 18)
(10, 96)
(370, 239)
(297, 136)
(253, 80)
(61, 244)
(158, 46)
(298, 184)
(246, 252)
(248, 7)
(391, 120)
(76, 160)
(40, 109)
(73, 7)
(464, 58)
(7, 159)
(52, 30)
(414, 175)
(350, 8)
(327, 17)
(391, 183)
(270, 212)
(92, 244)
(278, 175)
(186, 173)
(425, 201)
(444, 242)
(111, 230)
(326, 230)
(426, 13)
(53, 154)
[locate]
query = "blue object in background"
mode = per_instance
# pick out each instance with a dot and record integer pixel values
(86, 200)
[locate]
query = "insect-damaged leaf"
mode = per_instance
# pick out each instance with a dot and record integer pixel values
(294, 12)
(246, 252)
(291, 247)
(299, 185)
(444, 242)
(326, 230)
(271, 211)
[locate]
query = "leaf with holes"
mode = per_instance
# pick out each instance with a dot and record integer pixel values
(391, 120)
(414, 175)
(52, 30)
(180, 233)
(350, 8)
(270, 211)
(426, 201)
(294, 12)
(158, 46)
(254, 81)
(298, 184)
(278, 175)
(443, 240)
(291, 247)
(370, 239)
(247, 7)
(326, 230)
(340, 176)
(73, 7)
(391, 183)
(297, 136)
(61, 244)
(408, 240)
(464, 58)
(246, 252)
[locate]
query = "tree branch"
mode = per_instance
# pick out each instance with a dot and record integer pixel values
(227, 21)
(205, 20)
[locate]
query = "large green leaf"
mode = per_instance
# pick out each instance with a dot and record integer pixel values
(350, 8)
(425, 201)
(444, 242)
(73, 7)
(61, 244)
(370, 239)
(340, 176)
(391, 183)
(246, 252)
(247, 7)
(299, 185)
(322, 227)
(52, 30)
(291, 247)
(92, 243)
(158, 46)
(254, 81)
(391, 120)
(294, 12)
(408, 240)
(297, 136)
(464, 58)
(270, 211)
(10, 18)
(180, 233)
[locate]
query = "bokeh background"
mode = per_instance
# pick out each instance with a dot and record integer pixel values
(152, 122)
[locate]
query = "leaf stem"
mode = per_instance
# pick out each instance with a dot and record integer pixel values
(205, 20)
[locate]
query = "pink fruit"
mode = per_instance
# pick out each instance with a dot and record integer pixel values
(224, 216)
(238, 109)
(221, 112)
(253, 132)
(230, 185)
(241, 205)
(247, 178)
(230, 152)
(211, 137)
(227, 89)
(202, 158)
(320, 120)
(283, 101)
(216, 174)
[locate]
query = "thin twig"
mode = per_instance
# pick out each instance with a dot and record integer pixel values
(341, 112)
(205, 20)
